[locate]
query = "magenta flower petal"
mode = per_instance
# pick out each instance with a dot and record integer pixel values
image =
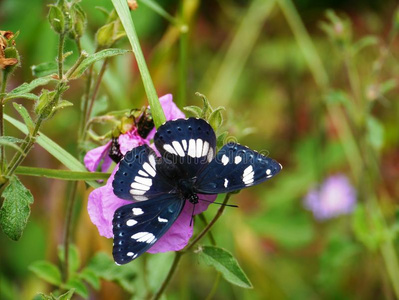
(170, 109)
(177, 237)
(130, 140)
(101, 207)
(334, 197)
(93, 158)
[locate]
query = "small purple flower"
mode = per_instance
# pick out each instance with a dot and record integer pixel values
(129, 140)
(335, 197)
(103, 203)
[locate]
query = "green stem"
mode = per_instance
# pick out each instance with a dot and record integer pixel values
(171, 272)
(82, 56)
(68, 229)
(127, 22)
(179, 254)
(209, 226)
(151, 4)
(20, 156)
(205, 221)
(214, 287)
(95, 91)
(60, 58)
(2, 91)
(182, 64)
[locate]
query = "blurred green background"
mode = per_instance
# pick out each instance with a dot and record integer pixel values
(286, 84)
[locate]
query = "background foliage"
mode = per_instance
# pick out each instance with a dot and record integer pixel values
(317, 90)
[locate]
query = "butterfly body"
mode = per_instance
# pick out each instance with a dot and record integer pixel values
(188, 167)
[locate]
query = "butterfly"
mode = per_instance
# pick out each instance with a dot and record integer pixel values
(188, 166)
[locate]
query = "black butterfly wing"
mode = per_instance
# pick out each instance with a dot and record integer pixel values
(189, 144)
(137, 177)
(139, 225)
(235, 167)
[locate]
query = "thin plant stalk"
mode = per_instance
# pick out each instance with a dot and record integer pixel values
(179, 254)
(68, 229)
(2, 91)
(182, 62)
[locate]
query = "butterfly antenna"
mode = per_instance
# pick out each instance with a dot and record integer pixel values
(192, 215)
(222, 204)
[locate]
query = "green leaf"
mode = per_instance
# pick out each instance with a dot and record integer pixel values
(79, 286)
(388, 85)
(29, 96)
(216, 118)
(363, 43)
(225, 263)
(90, 277)
(61, 174)
(44, 69)
(73, 255)
(375, 133)
(29, 86)
(195, 111)
(9, 141)
(86, 63)
(62, 104)
(25, 116)
(221, 139)
(104, 267)
(67, 296)
(15, 211)
(367, 229)
(54, 149)
(46, 271)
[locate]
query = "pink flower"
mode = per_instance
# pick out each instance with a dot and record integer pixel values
(129, 140)
(335, 197)
(103, 203)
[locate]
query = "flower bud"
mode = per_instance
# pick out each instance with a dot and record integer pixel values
(56, 19)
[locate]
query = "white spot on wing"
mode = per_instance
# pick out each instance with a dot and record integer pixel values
(137, 211)
(178, 148)
(237, 160)
(205, 148)
(210, 155)
(225, 160)
(248, 170)
(139, 186)
(143, 237)
(131, 222)
(268, 172)
(142, 173)
(199, 147)
(140, 198)
(142, 180)
(149, 169)
(184, 143)
(130, 254)
(162, 220)
(226, 182)
(137, 192)
(170, 149)
(151, 159)
(191, 148)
